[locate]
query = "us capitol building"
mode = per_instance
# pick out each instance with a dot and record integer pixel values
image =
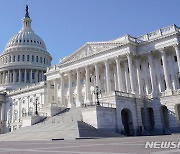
(127, 86)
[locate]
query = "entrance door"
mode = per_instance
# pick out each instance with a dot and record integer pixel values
(178, 111)
(151, 118)
(165, 116)
(127, 122)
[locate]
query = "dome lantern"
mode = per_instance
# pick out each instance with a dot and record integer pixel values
(26, 21)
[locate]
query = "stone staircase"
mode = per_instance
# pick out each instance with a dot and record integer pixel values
(66, 125)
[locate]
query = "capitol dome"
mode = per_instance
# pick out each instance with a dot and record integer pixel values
(25, 37)
(24, 59)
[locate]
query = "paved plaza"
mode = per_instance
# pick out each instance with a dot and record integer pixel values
(133, 145)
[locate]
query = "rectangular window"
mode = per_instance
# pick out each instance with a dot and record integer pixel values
(27, 57)
(32, 58)
(23, 58)
(40, 59)
(81, 82)
(65, 85)
(14, 58)
(175, 58)
(33, 75)
(17, 77)
(161, 62)
(37, 59)
(22, 76)
(73, 84)
(18, 57)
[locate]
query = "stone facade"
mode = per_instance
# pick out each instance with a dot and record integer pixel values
(138, 78)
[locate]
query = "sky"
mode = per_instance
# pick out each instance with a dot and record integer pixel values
(66, 25)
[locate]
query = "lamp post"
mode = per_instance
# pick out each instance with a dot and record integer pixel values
(36, 106)
(97, 92)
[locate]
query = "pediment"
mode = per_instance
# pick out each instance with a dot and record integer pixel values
(87, 50)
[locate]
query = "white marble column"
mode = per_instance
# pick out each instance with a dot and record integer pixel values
(55, 91)
(31, 77)
(152, 75)
(3, 77)
(36, 76)
(165, 69)
(115, 78)
(139, 78)
(87, 85)
(119, 75)
(19, 76)
(131, 73)
(78, 88)
(97, 73)
(25, 76)
(108, 84)
(70, 90)
(8, 77)
(177, 49)
(14, 76)
(20, 110)
(0, 78)
(62, 89)
(126, 77)
(42, 76)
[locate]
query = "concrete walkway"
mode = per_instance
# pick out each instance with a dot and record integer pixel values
(133, 145)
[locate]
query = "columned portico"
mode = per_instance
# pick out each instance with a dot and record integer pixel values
(166, 73)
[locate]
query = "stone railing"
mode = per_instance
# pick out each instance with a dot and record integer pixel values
(157, 33)
(125, 38)
(33, 114)
(103, 104)
(29, 87)
(173, 92)
(176, 92)
(124, 94)
(52, 68)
